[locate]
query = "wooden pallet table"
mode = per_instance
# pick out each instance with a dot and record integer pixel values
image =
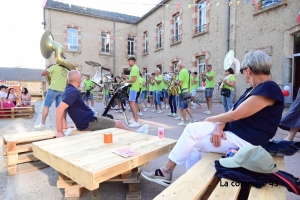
(14, 112)
(17, 150)
(84, 160)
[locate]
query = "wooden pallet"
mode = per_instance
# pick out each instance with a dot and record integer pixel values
(17, 150)
(17, 112)
(131, 178)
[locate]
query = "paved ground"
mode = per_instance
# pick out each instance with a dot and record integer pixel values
(42, 184)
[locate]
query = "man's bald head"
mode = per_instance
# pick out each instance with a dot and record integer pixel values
(74, 78)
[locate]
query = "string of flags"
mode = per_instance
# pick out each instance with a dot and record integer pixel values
(179, 5)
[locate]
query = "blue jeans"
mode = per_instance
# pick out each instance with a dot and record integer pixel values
(51, 96)
(228, 101)
(132, 95)
(183, 104)
(164, 93)
(157, 97)
(172, 103)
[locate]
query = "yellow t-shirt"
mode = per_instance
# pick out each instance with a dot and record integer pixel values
(58, 77)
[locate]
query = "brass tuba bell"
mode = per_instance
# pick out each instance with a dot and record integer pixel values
(48, 45)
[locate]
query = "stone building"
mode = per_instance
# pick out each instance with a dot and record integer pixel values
(24, 77)
(197, 32)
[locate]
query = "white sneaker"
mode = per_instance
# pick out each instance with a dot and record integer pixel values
(145, 109)
(93, 109)
(120, 111)
(117, 111)
(206, 111)
(154, 110)
(163, 106)
(96, 114)
(174, 115)
(140, 114)
(131, 121)
(183, 124)
(134, 124)
(149, 106)
(144, 129)
(143, 106)
(178, 117)
(159, 111)
(193, 107)
(40, 126)
(167, 106)
(170, 114)
(193, 120)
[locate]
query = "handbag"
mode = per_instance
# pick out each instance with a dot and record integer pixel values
(186, 95)
(225, 92)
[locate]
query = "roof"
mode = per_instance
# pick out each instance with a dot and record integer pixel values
(163, 2)
(55, 5)
(21, 74)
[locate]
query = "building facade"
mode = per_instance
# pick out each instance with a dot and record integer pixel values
(196, 32)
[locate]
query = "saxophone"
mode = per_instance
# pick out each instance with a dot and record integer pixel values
(47, 46)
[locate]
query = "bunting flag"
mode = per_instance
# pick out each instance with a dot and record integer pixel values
(298, 18)
(189, 6)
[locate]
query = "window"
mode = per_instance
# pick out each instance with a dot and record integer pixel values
(297, 44)
(159, 67)
(201, 66)
(268, 3)
(72, 39)
(175, 65)
(159, 36)
(130, 46)
(105, 41)
(176, 29)
(145, 51)
(201, 26)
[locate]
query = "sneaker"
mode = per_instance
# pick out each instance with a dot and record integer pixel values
(145, 109)
(143, 106)
(208, 112)
(96, 114)
(159, 111)
(193, 107)
(178, 117)
(163, 106)
(117, 111)
(131, 121)
(120, 111)
(182, 123)
(170, 114)
(154, 110)
(149, 106)
(144, 129)
(157, 177)
(140, 114)
(39, 126)
(174, 115)
(167, 107)
(193, 120)
(134, 124)
(93, 109)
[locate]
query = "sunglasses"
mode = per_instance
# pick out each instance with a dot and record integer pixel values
(242, 69)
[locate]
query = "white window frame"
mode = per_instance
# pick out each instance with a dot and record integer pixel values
(200, 67)
(145, 50)
(175, 65)
(201, 24)
(130, 46)
(105, 43)
(72, 39)
(176, 28)
(159, 36)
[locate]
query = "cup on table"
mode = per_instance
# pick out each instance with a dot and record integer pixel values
(108, 138)
(161, 133)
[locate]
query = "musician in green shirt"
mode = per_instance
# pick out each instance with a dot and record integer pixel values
(194, 84)
(209, 78)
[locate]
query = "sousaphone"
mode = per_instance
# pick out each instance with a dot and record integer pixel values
(230, 60)
(48, 45)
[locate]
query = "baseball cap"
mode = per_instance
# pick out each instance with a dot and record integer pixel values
(3, 86)
(253, 158)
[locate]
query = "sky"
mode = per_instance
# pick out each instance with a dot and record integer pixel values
(22, 29)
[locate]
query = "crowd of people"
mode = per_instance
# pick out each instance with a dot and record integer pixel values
(9, 99)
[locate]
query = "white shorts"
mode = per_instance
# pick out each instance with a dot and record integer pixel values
(193, 92)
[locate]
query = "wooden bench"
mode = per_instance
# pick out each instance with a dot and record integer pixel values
(200, 182)
(17, 150)
(17, 112)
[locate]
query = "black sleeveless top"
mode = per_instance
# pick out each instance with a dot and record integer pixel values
(259, 128)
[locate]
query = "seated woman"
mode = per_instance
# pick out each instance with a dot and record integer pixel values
(11, 95)
(252, 121)
(25, 97)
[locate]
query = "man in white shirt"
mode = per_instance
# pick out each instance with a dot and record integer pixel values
(2, 95)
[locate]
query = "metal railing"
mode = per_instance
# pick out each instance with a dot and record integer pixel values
(145, 51)
(158, 45)
(201, 28)
(269, 3)
(176, 38)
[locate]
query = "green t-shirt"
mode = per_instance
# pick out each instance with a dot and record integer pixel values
(211, 84)
(151, 87)
(164, 85)
(158, 87)
(231, 78)
(143, 80)
(58, 77)
(184, 78)
(135, 72)
(177, 78)
(88, 85)
(195, 86)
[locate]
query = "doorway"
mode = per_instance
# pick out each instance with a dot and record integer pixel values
(296, 52)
